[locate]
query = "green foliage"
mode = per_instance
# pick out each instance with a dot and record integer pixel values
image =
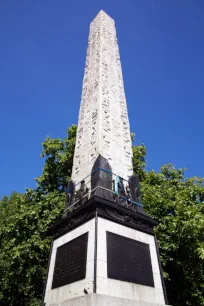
(177, 203)
(24, 220)
(139, 160)
(58, 154)
(170, 198)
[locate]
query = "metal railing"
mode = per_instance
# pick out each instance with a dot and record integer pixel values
(119, 189)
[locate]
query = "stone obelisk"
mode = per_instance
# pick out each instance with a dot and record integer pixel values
(103, 125)
(104, 251)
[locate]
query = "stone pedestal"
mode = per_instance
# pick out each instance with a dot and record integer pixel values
(94, 299)
(107, 280)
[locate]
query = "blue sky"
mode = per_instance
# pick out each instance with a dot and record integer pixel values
(42, 56)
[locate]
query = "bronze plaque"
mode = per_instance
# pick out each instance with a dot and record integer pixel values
(129, 260)
(70, 262)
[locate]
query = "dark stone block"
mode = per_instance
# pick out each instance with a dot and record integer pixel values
(129, 260)
(70, 263)
(102, 176)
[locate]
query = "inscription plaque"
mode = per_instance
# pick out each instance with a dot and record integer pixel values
(129, 260)
(70, 262)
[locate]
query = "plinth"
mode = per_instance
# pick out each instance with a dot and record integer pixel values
(104, 254)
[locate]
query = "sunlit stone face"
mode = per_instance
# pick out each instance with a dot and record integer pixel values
(103, 125)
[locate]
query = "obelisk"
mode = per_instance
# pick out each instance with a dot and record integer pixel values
(103, 125)
(104, 250)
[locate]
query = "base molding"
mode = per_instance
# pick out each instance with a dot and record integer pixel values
(95, 299)
(106, 209)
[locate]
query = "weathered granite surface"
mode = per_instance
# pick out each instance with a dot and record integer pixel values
(103, 125)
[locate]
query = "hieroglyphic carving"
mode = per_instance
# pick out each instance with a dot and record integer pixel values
(103, 126)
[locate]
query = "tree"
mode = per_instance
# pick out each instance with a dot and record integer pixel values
(58, 154)
(170, 198)
(177, 203)
(24, 220)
